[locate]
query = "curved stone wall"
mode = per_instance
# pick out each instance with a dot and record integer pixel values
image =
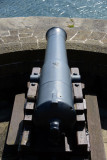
(28, 33)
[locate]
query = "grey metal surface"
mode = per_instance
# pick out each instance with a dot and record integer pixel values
(55, 83)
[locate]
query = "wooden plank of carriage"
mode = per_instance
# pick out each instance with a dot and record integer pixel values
(16, 120)
(94, 127)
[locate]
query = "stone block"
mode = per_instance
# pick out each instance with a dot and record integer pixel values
(4, 33)
(82, 35)
(25, 30)
(28, 40)
(105, 40)
(9, 47)
(29, 46)
(96, 35)
(1, 41)
(13, 32)
(22, 35)
(8, 39)
(71, 33)
(42, 44)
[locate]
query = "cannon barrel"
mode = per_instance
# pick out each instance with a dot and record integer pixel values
(55, 100)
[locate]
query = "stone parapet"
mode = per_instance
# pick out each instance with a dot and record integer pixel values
(28, 33)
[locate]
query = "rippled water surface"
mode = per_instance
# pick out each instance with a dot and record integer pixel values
(54, 8)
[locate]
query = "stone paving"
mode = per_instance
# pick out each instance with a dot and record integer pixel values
(18, 34)
(28, 33)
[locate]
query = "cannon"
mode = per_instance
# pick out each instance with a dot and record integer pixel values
(53, 117)
(55, 101)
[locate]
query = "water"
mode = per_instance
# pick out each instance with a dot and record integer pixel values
(54, 8)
